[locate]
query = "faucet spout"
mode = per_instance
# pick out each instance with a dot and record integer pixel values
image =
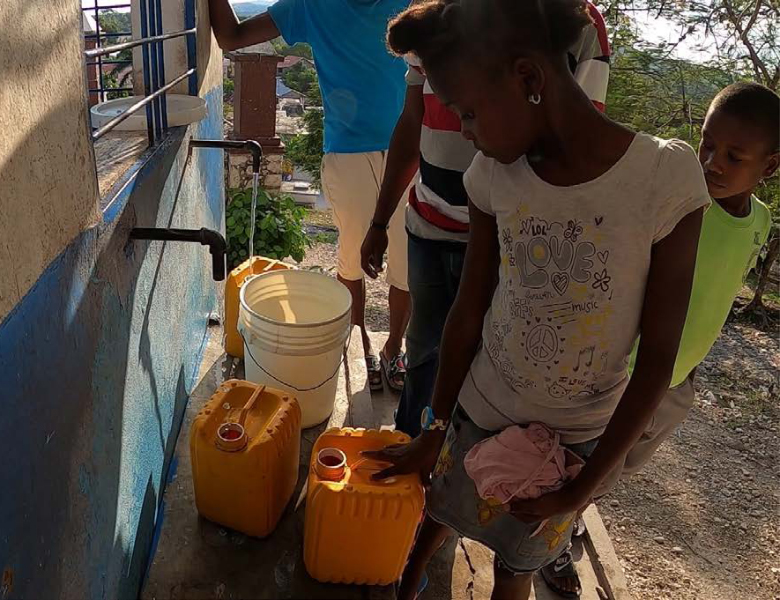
(249, 145)
(206, 237)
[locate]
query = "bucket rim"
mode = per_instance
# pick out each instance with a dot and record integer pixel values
(243, 305)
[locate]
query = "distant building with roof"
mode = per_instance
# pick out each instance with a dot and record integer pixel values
(290, 61)
(284, 92)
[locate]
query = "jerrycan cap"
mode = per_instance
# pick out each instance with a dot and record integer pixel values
(330, 464)
(231, 437)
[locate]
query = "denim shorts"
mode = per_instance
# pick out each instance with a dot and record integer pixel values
(453, 501)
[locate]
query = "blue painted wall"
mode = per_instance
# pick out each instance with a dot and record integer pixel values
(96, 363)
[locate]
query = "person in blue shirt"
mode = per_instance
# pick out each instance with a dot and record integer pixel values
(363, 92)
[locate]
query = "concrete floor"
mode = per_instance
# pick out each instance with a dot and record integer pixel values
(196, 559)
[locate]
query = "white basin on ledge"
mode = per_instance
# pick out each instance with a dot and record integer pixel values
(182, 110)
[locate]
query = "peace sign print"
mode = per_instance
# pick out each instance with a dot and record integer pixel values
(542, 343)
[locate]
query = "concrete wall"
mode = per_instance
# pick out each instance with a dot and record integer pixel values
(48, 183)
(100, 337)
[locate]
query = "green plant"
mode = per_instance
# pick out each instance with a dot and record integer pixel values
(228, 87)
(110, 81)
(326, 237)
(279, 229)
(300, 78)
(305, 149)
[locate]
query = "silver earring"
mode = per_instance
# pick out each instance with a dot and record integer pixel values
(535, 98)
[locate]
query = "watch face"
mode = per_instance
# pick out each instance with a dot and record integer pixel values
(425, 417)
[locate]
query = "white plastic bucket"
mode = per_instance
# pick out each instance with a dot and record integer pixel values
(295, 325)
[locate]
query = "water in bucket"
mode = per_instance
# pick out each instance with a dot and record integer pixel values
(295, 325)
(234, 345)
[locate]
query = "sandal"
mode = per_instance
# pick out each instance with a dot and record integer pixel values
(374, 368)
(562, 568)
(395, 370)
(579, 528)
(420, 588)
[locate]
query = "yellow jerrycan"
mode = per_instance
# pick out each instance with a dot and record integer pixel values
(245, 449)
(358, 531)
(256, 265)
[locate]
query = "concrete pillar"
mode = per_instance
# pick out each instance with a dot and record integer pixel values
(254, 116)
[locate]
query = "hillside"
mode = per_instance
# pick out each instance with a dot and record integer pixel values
(250, 8)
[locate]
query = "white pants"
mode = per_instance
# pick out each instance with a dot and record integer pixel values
(675, 406)
(351, 184)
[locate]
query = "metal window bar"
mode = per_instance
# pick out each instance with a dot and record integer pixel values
(102, 51)
(101, 90)
(147, 70)
(107, 34)
(161, 67)
(153, 60)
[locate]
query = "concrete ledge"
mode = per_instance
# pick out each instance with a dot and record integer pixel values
(361, 407)
(198, 559)
(603, 557)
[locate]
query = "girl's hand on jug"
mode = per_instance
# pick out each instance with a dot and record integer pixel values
(420, 456)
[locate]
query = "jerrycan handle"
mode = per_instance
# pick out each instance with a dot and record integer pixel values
(358, 465)
(249, 405)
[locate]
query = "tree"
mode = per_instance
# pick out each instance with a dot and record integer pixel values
(305, 149)
(299, 49)
(114, 22)
(300, 77)
(665, 97)
(741, 36)
(314, 97)
(121, 75)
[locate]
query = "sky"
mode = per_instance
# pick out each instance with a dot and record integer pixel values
(663, 30)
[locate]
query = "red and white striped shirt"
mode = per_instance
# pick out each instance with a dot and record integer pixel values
(438, 203)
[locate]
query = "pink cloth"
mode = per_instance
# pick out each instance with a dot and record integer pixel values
(521, 463)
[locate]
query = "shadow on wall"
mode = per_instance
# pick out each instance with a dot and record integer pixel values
(76, 433)
(43, 42)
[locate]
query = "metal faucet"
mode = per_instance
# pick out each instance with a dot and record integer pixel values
(250, 145)
(206, 237)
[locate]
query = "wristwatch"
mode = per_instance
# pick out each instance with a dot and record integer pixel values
(429, 422)
(380, 226)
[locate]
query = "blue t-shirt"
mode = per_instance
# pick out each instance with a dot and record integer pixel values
(362, 84)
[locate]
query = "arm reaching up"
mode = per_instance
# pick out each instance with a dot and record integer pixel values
(232, 34)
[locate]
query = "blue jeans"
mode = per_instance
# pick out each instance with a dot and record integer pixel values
(434, 275)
